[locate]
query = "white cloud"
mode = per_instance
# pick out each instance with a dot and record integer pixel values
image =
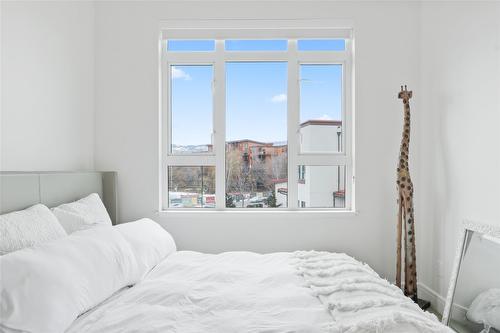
(279, 98)
(325, 117)
(180, 74)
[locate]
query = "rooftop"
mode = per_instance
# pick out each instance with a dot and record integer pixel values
(322, 122)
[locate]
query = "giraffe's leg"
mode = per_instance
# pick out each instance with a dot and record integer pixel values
(398, 243)
(405, 228)
(412, 269)
(410, 289)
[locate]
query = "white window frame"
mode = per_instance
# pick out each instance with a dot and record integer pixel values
(246, 29)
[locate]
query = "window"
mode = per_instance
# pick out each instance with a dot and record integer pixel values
(320, 108)
(191, 98)
(256, 45)
(321, 45)
(256, 123)
(191, 187)
(322, 186)
(302, 173)
(190, 45)
(256, 133)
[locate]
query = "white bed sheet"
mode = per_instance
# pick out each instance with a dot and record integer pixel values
(229, 292)
(196, 292)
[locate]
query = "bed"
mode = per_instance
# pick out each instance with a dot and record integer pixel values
(131, 278)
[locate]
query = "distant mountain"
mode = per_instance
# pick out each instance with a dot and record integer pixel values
(189, 149)
(178, 149)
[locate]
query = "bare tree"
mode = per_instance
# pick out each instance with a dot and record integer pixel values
(238, 177)
(250, 174)
(192, 179)
(279, 166)
(259, 172)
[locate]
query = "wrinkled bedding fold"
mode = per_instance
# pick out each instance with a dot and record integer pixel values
(358, 299)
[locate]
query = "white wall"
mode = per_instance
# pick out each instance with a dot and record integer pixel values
(47, 80)
(320, 138)
(320, 183)
(127, 125)
(459, 139)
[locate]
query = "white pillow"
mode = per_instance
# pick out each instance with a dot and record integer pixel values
(82, 214)
(45, 288)
(28, 227)
(151, 243)
(485, 309)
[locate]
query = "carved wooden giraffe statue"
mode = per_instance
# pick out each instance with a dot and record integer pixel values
(405, 213)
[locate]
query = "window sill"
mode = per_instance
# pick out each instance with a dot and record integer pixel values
(329, 212)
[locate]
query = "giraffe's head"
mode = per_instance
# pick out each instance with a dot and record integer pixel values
(405, 95)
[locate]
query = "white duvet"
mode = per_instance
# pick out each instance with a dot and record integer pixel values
(235, 292)
(79, 284)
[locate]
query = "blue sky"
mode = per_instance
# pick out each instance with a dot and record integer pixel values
(257, 45)
(256, 101)
(256, 97)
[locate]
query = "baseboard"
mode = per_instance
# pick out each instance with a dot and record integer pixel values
(438, 302)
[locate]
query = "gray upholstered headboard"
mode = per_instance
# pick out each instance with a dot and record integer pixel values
(19, 190)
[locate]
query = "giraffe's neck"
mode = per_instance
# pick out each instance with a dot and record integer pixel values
(405, 140)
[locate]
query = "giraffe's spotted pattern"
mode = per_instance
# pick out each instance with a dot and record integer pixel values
(405, 201)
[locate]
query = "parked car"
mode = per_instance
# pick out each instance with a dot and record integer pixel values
(255, 205)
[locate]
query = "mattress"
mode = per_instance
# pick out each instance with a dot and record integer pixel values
(241, 292)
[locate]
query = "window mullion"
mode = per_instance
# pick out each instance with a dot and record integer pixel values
(348, 110)
(293, 122)
(219, 95)
(164, 126)
(256, 56)
(191, 160)
(322, 57)
(188, 58)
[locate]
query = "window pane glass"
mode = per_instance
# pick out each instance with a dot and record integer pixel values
(321, 108)
(256, 134)
(321, 186)
(191, 186)
(191, 99)
(321, 45)
(256, 45)
(190, 45)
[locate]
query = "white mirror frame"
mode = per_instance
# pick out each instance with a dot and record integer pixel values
(469, 228)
